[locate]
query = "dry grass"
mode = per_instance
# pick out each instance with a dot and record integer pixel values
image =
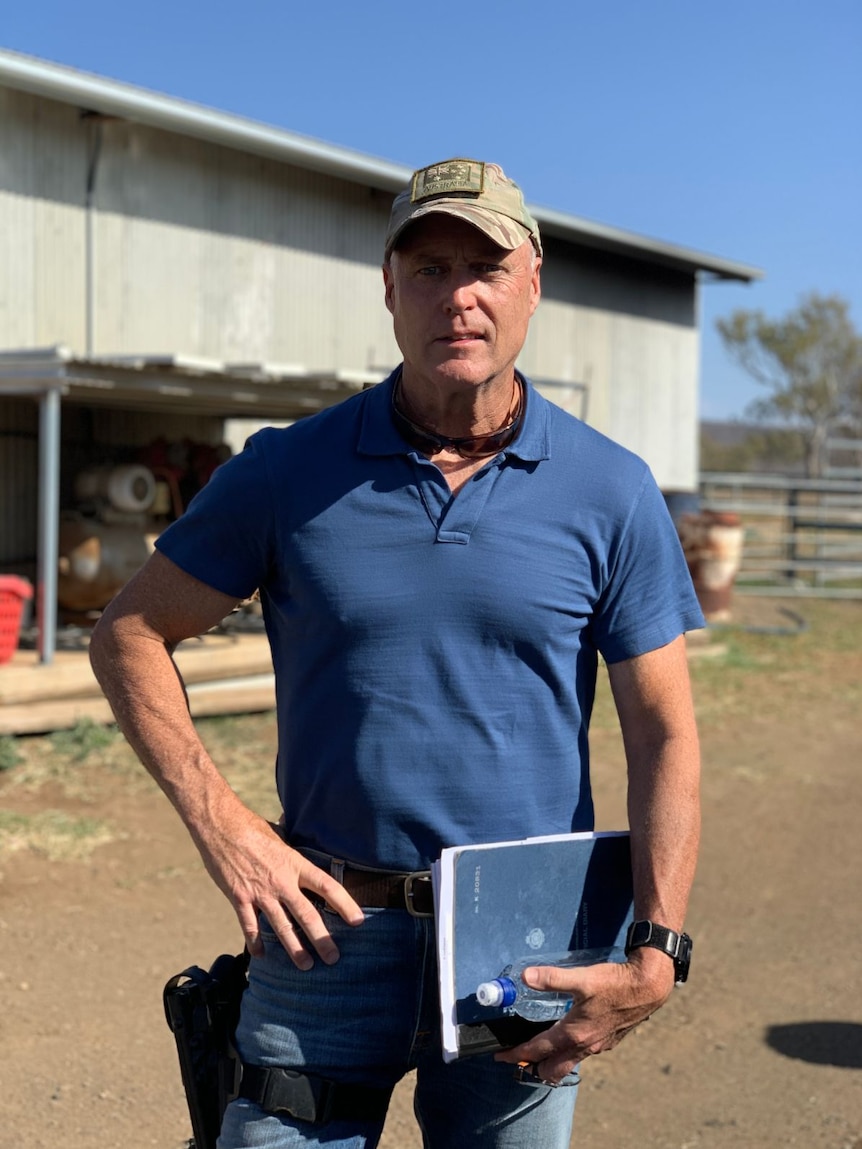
(775, 659)
(71, 767)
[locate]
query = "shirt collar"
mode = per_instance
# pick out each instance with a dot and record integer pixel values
(378, 436)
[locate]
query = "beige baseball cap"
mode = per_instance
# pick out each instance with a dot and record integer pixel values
(471, 190)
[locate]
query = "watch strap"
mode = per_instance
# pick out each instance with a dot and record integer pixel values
(677, 946)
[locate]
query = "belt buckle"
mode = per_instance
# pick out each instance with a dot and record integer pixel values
(300, 1095)
(409, 881)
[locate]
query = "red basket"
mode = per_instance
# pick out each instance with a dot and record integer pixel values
(14, 592)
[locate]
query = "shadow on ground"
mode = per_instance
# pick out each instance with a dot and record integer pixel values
(836, 1043)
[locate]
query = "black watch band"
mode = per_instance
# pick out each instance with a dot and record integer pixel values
(676, 946)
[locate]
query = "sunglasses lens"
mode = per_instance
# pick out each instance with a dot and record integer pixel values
(484, 445)
(476, 448)
(480, 447)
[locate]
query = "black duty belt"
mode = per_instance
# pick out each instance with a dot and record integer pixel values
(376, 889)
(307, 1097)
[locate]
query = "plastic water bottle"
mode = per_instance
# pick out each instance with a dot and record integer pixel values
(509, 992)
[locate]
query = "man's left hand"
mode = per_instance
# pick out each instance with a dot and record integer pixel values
(609, 1001)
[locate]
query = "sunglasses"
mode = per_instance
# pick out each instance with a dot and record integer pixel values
(467, 446)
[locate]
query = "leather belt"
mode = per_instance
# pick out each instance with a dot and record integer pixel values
(376, 890)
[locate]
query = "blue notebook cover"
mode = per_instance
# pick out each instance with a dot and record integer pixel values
(501, 902)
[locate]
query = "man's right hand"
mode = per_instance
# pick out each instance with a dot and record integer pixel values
(130, 651)
(258, 872)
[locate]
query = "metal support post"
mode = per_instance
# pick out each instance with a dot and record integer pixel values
(49, 523)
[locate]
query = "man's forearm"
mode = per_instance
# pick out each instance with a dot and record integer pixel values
(145, 690)
(664, 820)
(131, 654)
(653, 699)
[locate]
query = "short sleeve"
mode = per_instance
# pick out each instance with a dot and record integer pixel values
(649, 599)
(225, 538)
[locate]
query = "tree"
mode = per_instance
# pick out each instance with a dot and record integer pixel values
(811, 362)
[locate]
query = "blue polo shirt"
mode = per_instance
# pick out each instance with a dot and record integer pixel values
(435, 656)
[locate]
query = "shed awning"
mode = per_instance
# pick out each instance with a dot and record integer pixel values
(180, 383)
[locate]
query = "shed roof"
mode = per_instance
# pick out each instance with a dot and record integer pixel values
(179, 383)
(111, 97)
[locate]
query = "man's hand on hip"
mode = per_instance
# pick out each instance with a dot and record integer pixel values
(257, 872)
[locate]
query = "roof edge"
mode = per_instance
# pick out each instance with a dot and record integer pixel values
(607, 238)
(113, 97)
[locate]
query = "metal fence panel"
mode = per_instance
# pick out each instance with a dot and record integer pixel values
(802, 536)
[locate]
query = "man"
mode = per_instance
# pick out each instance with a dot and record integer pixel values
(441, 559)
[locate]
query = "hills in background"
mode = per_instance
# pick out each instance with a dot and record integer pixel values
(739, 446)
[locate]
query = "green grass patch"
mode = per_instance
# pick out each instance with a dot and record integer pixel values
(10, 754)
(53, 834)
(84, 737)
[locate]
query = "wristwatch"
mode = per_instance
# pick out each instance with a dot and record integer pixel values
(676, 946)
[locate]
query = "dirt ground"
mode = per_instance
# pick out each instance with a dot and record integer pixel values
(102, 897)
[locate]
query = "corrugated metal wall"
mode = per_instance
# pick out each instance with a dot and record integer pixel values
(43, 160)
(196, 248)
(627, 330)
(639, 378)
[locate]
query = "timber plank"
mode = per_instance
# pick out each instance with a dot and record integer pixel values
(213, 657)
(232, 696)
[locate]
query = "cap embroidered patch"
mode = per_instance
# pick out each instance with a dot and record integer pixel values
(480, 194)
(445, 179)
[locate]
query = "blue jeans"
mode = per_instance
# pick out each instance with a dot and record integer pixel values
(370, 1018)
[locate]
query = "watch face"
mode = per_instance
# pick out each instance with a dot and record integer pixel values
(682, 962)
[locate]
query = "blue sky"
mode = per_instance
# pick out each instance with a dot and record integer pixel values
(732, 128)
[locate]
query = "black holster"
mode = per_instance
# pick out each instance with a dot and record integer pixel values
(202, 1010)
